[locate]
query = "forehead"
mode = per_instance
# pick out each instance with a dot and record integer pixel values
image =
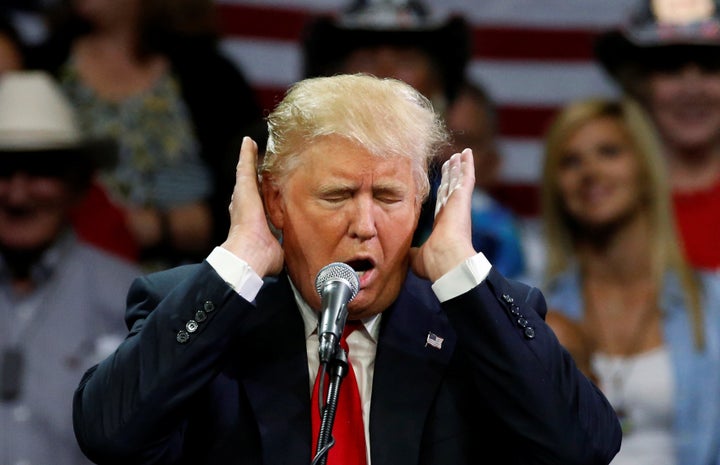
(682, 12)
(335, 156)
(602, 127)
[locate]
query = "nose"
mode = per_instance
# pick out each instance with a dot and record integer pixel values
(587, 167)
(16, 188)
(362, 221)
(692, 73)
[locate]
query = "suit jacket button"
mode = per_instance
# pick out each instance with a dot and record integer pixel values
(530, 332)
(208, 306)
(200, 316)
(182, 336)
(191, 326)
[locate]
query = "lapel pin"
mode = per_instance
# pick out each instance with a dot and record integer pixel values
(433, 340)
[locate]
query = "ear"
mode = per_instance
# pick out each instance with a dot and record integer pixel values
(273, 200)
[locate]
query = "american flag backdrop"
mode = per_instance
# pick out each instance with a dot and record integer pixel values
(531, 55)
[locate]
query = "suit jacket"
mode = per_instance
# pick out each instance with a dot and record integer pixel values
(236, 390)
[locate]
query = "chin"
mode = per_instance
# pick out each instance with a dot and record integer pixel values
(359, 308)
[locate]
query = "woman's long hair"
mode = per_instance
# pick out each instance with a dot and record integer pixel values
(665, 245)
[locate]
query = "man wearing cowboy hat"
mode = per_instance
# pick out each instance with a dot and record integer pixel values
(407, 41)
(61, 299)
(668, 57)
(402, 40)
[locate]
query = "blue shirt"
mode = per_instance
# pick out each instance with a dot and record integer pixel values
(696, 373)
(72, 319)
(495, 234)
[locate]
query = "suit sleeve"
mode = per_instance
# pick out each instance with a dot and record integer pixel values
(536, 390)
(129, 409)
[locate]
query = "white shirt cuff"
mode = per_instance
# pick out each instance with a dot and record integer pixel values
(462, 278)
(236, 272)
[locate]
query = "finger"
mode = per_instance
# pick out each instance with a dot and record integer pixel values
(247, 160)
(461, 172)
(245, 170)
(468, 166)
(452, 179)
(442, 192)
(455, 173)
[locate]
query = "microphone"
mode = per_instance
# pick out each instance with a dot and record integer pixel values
(337, 284)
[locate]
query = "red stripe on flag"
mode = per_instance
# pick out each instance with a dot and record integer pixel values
(522, 198)
(515, 43)
(491, 42)
(524, 121)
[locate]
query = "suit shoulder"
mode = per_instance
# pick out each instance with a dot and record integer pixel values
(510, 291)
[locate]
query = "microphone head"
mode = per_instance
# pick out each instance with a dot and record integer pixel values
(338, 271)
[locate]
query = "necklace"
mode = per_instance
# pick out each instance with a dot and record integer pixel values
(620, 372)
(620, 366)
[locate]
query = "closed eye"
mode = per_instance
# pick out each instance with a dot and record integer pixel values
(388, 195)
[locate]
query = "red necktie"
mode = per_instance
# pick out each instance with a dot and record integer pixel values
(348, 429)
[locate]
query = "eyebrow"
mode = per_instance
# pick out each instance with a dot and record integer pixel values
(390, 188)
(385, 187)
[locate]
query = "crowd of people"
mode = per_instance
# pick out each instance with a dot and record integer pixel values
(162, 287)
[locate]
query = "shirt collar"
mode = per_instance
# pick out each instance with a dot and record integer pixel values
(49, 260)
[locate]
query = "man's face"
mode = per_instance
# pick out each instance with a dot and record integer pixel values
(343, 204)
(685, 104)
(33, 209)
(410, 65)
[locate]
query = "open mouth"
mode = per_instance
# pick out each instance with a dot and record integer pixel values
(360, 266)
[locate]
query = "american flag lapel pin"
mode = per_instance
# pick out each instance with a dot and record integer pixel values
(433, 340)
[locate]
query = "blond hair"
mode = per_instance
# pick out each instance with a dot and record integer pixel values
(385, 116)
(666, 252)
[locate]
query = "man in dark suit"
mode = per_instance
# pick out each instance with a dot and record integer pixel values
(454, 364)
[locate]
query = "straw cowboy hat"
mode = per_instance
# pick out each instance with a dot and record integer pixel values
(36, 118)
(662, 34)
(327, 40)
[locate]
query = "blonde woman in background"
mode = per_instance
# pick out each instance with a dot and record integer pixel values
(623, 299)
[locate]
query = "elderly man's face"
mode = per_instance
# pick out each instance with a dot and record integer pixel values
(411, 65)
(342, 204)
(34, 209)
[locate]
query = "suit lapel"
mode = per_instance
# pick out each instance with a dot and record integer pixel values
(408, 372)
(276, 379)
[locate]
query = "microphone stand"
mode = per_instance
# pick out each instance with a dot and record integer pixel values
(338, 368)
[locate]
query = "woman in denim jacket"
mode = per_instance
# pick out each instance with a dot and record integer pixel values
(623, 299)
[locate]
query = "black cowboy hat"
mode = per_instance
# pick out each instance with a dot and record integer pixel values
(327, 40)
(657, 36)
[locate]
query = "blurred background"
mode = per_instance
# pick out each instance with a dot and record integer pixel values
(531, 55)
